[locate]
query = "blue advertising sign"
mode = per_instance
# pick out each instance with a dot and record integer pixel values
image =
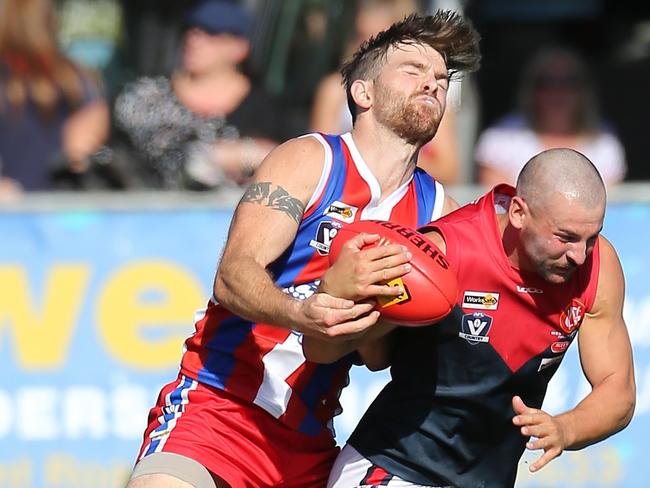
(95, 306)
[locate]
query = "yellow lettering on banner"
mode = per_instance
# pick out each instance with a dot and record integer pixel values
(17, 474)
(42, 333)
(125, 315)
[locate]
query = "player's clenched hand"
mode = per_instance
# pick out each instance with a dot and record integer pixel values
(546, 429)
(326, 317)
(360, 273)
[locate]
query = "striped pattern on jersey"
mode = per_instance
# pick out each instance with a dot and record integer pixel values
(175, 402)
(264, 364)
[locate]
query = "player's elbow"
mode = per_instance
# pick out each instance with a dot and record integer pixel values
(376, 365)
(625, 405)
(221, 289)
(375, 359)
(319, 352)
(628, 405)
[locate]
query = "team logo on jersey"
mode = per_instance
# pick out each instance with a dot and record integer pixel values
(475, 327)
(572, 316)
(302, 291)
(480, 300)
(341, 211)
(326, 232)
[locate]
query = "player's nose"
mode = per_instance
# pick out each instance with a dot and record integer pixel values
(577, 254)
(429, 84)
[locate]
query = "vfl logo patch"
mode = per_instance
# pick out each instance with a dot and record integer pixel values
(324, 235)
(572, 316)
(475, 327)
(480, 300)
(341, 211)
(390, 301)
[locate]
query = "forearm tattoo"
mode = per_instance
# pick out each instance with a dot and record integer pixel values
(278, 199)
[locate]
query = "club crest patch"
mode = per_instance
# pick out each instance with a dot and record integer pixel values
(572, 316)
(325, 234)
(475, 327)
(341, 211)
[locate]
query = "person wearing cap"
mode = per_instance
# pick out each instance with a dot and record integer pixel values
(209, 123)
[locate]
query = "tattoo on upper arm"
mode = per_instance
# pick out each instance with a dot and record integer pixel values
(278, 199)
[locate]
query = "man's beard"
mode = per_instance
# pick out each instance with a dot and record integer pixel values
(416, 123)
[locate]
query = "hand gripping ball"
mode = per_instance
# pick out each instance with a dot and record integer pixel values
(430, 288)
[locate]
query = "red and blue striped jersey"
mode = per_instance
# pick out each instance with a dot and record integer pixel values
(264, 364)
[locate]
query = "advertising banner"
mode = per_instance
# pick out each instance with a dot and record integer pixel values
(94, 308)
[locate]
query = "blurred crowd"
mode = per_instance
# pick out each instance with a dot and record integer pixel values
(110, 94)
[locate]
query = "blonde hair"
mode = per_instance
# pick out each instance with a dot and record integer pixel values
(31, 65)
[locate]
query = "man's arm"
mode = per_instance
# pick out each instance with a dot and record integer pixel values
(263, 227)
(606, 358)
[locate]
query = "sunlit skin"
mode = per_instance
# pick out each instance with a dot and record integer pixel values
(553, 242)
(411, 92)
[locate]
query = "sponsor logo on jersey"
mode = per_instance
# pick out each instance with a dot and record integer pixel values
(528, 289)
(475, 327)
(341, 211)
(572, 316)
(560, 347)
(390, 301)
(480, 300)
(547, 362)
(325, 234)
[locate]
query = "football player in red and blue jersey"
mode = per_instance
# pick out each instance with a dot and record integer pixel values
(247, 409)
(466, 393)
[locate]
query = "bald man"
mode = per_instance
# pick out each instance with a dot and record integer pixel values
(466, 394)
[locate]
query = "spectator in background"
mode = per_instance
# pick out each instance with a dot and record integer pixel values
(330, 112)
(557, 108)
(207, 124)
(52, 113)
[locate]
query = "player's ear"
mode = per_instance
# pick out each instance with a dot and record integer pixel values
(517, 212)
(361, 91)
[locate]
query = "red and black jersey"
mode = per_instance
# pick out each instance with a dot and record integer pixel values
(446, 416)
